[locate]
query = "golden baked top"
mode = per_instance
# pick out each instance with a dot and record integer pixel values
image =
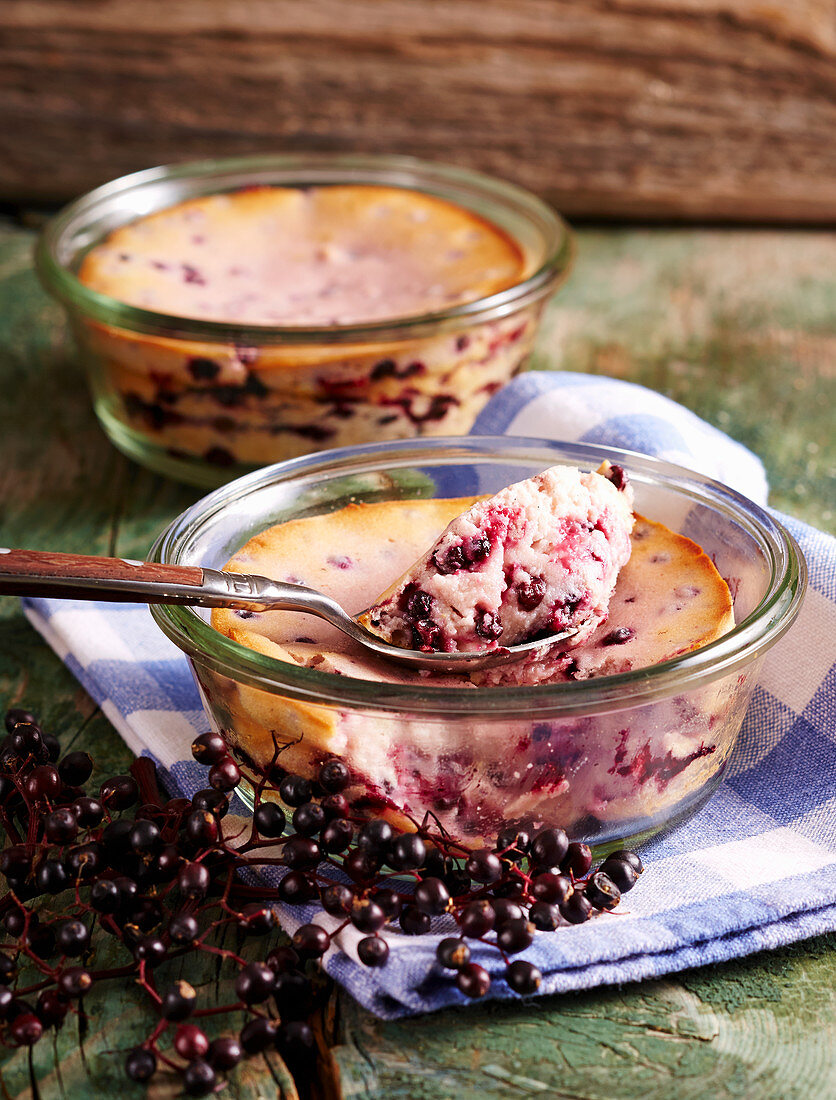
(669, 598)
(305, 256)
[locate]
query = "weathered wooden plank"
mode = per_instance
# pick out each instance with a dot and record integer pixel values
(649, 108)
(758, 1028)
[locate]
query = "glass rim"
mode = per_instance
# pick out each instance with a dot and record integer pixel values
(213, 176)
(764, 626)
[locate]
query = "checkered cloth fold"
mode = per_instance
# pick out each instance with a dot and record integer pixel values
(754, 869)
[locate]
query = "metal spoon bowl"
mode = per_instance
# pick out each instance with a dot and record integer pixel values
(80, 577)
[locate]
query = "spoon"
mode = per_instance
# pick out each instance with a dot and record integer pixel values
(79, 577)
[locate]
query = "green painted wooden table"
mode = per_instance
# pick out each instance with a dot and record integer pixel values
(741, 327)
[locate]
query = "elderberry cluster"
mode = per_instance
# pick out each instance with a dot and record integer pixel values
(162, 877)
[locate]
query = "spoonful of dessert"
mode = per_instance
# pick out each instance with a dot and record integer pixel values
(512, 578)
(81, 577)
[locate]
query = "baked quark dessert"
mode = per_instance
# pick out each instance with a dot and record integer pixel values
(303, 257)
(538, 558)
(598, 776)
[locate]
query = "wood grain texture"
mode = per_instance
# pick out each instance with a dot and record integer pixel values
(41, 563)
(761, 1028)
(695, 109)
(739, 326)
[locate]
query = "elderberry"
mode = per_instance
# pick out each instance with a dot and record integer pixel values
(308, 819)
(515, 935)
(190, 1042)
(199, 1078)
(294, 790)
(334, 776)
(366, 915)
(257, 1035)
(406, 853)
(477, 919)
(473, 980)
(373, 951)
(140, 1065)
(255, 983)
(311, 941)
(178, 1002)
(224, 1053)
(209, 748)
(76, 768)
(453, 953)
(523, 977)
(269, 820)
(119, 793)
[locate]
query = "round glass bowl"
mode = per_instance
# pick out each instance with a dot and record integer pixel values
(612, 759)
(206, 400)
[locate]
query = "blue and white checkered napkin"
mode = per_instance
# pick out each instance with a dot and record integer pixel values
(756, 868)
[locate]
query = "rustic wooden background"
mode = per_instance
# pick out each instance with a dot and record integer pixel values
(678, 109)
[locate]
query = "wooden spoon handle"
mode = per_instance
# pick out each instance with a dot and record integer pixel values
(78, 576)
